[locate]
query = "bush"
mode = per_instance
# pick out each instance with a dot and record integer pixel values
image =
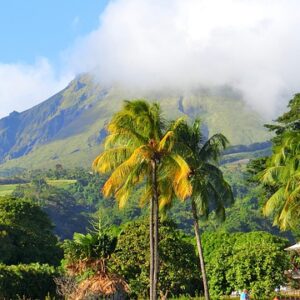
(254, 260)
(33, 281)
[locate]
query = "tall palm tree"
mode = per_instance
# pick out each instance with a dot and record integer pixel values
(283, 174)
(139, 153)
(210, 190)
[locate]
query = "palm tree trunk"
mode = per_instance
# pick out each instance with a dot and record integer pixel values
(156, 253)
(200, 252)
(151, 236)
(155, 230)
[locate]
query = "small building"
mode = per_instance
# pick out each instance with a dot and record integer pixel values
(295, 248)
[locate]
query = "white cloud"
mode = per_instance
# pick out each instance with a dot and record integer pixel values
(252, 45)
(22, 86)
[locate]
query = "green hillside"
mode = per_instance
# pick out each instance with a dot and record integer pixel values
(68, 129)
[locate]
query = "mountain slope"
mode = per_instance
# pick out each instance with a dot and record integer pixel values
(68, 127)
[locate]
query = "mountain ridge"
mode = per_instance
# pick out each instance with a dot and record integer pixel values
(68, 127)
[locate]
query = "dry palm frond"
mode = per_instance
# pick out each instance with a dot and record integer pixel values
(81, 266)
(100, 284)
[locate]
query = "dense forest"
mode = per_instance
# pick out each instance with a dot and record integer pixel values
(85, 232)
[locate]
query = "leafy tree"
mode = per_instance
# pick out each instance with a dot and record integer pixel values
(287, 122)
(139, 151)
(60, 205)
(254, 260)
(26, 234)
(178, 265)
(281, 169)
(283, 173)
(210, 190)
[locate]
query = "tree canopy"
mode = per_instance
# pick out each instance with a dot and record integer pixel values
(26, 233)
(178, 262)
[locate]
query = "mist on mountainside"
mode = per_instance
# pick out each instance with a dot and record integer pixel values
(183, 45)
(69, 127)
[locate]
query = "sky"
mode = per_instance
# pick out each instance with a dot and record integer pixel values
(33, 36)
(250, 45)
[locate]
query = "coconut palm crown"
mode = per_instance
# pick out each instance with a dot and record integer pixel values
(137, 135)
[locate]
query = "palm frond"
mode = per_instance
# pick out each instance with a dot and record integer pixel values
(146, 194)
(166, 194)
(181, 183)
(123, 171)
(110, 159)
(167, 142)
(275, 202)
(213, 148)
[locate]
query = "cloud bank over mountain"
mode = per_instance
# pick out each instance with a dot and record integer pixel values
(252, 46)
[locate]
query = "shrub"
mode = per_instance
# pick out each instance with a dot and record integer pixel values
(254, 260)
(33, 281)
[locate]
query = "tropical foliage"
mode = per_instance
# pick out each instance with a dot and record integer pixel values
(26, 234)
(283, 173)
(85, 263)
(254, 260)
(24, 281)
(139, 151)
(137, 135)
(60, 204)
(152, 162)
(178, 262)
(210, 190)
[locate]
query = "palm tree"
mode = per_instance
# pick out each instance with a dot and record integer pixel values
(139, 151)
(210, 190)
(283, 174)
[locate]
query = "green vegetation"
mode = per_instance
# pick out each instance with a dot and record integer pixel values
(139, 153)
(283, 174)
(280, 173)
(85, 263)
(159, 162)
(35, 281)
(26, 234)
(61, 183)
(210, 191)
(7, 189)
(27, 249)
(66, 212)
(254, 260)
(178, 261)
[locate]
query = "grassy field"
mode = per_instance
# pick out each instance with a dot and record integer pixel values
(61, 183)
(7, 189)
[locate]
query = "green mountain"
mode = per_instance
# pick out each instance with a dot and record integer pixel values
(68, 128)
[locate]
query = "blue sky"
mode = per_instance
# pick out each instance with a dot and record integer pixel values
(43, 28)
